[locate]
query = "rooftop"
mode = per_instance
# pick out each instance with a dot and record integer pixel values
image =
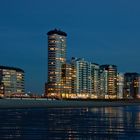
(11, 68)
(56, 31)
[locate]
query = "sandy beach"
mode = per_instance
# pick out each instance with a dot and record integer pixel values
(44, 103)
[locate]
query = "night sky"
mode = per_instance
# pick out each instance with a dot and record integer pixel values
(101, 31)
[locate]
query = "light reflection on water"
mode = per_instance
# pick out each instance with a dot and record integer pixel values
(102, 123)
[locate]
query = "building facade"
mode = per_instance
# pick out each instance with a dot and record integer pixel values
(120, 85)
(131, 85)
(108, 76)
(67, 80)
(81, 83)
(11, 80)
(56, 61)
(95, 80)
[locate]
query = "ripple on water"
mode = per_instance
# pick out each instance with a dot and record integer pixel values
(105, 123)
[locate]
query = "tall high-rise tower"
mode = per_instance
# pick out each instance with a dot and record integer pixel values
(56, 60)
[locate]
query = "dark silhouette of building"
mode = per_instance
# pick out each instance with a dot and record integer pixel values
(131, 85)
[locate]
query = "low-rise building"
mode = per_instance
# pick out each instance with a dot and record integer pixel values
(11, 80)
(131, 85)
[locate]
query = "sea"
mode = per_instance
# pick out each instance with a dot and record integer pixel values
(97, 123)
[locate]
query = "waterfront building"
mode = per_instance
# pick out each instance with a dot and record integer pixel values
(108, 81)
(131, 85)
(120, 85)
(103, 83)
(95, 80)
(46, 90)
(1, 89)
(66, 80)
(11, 81)
(82, 78)
(73, 80)
(56, 61)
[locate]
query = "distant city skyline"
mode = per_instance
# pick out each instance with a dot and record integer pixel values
(104, 32)
(78, 78)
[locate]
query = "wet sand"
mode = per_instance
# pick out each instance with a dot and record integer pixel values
(44, 103)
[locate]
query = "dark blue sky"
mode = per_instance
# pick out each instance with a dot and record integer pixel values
(101, 31)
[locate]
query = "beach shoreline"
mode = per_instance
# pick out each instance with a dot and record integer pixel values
(44, 103)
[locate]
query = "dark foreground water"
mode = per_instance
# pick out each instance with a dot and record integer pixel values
(100, 123)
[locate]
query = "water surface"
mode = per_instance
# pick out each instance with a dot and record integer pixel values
(99, 123)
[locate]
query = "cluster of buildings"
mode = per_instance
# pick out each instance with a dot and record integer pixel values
(75, 79)
(79, 78)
